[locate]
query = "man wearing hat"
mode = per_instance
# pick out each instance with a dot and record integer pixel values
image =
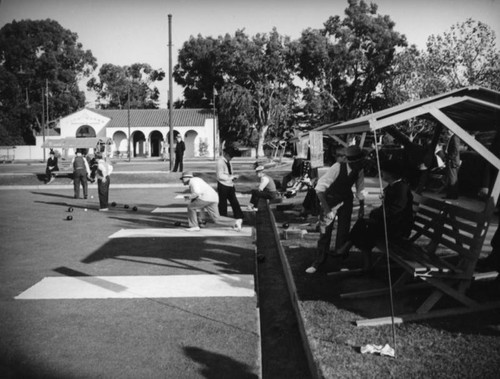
(203, 197)
(334, 190)
(180, 147)
(52, 167)
(80, 171)
(225, 184)
(103, 173)
(396, 213)
(266, 190)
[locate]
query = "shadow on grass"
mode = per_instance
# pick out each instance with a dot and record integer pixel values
(216, 365)
(217, 255)
(52, 194)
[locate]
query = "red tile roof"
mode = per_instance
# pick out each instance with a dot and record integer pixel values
(155, 117)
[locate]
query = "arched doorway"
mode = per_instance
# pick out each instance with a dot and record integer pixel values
(156, 139)
(85, 131)
(190, 141)
(120, 140)
(139, 144)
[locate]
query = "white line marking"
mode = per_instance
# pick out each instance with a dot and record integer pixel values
(132, 287)
(170, 210)
(238, 195)
(182, 210)
(182, 232)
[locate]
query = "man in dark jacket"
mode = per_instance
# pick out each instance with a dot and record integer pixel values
(179, 154)
(452, 154)
(397, 209)
(80, 171)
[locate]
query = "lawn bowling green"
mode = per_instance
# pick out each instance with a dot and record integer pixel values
(122, 293)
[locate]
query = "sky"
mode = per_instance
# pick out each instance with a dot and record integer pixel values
(123, 32)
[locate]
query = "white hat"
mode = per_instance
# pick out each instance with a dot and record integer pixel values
(259, 168)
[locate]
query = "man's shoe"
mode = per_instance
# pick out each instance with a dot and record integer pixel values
(238, 224)
(103, 210)
(193, 229)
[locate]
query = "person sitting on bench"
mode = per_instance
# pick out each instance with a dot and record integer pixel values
(398, 206)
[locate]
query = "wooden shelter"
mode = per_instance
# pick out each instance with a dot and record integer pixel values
(467, 112)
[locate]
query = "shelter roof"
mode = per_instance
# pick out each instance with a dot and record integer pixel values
(155, 117)
(474, 109)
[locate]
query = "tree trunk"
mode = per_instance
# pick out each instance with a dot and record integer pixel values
(260, 142)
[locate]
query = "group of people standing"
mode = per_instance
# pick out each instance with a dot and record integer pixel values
(85, 168)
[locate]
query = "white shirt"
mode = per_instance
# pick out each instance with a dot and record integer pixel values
(202, 190)
(332, 174)
(103, 169)
(222, 172)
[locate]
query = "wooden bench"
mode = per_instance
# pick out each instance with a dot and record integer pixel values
(441, 253)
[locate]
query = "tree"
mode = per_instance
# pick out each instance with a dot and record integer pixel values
(117, 84)
(253, 77)
(40, 62)
(346, 63)
(464, 56)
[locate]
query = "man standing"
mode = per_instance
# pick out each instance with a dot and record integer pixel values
(103, 172)
(452, 154)
(80, 171)
(179, 154)
(225, 184)
(334, 190)
(203, 197)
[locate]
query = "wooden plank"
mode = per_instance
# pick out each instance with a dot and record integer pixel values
(429, 315)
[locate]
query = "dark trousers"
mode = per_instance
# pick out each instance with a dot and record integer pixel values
(343, 225)
(80, 176)
(226, 194)
(49, 174)
(452, 180)
(178, 163)
(257, 195)
(103, 192)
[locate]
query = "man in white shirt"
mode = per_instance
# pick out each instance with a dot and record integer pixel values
(225, 184)
(334, 190)
(203, 197)
(103, 172)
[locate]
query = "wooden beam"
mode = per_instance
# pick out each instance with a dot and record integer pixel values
(434, 314)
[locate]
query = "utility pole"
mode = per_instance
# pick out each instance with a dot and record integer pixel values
(170, 107)
(128, 121)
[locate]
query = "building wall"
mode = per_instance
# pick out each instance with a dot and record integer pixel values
(199, 139)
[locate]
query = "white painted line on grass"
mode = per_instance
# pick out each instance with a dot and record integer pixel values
(246, 231)
(238, 195)
(170, 210)
(137, 287)
(182, 210)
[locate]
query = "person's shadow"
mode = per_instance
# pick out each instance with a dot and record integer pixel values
(218, 366)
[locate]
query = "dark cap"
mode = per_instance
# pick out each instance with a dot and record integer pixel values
(231, 151)
(392, 166)
(354, 153)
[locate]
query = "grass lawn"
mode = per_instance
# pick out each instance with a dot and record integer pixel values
(466, 346)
